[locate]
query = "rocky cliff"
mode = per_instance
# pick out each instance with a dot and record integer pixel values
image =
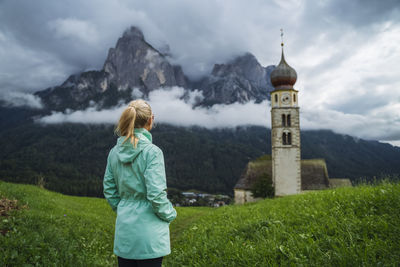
(135, 64)
(241, 80)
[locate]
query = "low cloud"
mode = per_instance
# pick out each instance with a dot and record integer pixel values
(367, 127)
(18, 99)
(170, 107)
(75, 30)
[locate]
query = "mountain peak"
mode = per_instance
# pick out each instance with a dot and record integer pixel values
(246, 57)
(134, 63)
(133, 32)
(240, 80)
(245, 62)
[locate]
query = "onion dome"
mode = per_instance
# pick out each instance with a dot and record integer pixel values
(283, 76)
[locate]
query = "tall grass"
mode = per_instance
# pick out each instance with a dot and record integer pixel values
(55, 230)
(357, 226)
(343, 227)
(59, 230)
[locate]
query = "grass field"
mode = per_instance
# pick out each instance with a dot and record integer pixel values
(357, 226)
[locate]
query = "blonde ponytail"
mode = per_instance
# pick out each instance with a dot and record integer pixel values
(136, 115)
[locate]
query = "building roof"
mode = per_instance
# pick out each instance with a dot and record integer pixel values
(254, 169)
(283, 77)
(314, 174)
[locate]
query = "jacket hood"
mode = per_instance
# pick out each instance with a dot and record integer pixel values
(126, 152)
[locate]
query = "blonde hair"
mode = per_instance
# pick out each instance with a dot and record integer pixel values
(136, 115)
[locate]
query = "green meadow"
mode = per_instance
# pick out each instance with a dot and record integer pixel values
(357, 226)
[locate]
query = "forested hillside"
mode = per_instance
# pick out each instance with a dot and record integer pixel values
(70, 158)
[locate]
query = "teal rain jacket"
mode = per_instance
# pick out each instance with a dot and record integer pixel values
(134, 186)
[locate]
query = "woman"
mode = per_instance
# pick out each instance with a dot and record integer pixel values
(134, 186)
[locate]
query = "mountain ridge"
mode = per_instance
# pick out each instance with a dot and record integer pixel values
(135, 64)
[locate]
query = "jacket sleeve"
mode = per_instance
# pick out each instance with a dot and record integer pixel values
(110, 189)
(155, 181)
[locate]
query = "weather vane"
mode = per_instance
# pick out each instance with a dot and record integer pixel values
(282, 37)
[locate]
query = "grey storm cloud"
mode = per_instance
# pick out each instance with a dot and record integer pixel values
(346, 53)
(359, 13)
(61, 38)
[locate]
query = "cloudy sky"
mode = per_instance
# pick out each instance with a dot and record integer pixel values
(346, 53)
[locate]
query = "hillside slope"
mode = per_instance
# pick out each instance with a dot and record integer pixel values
(52, 229)
(72, 157)
(343, 227)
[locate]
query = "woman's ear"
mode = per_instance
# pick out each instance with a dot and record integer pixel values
(149, 124)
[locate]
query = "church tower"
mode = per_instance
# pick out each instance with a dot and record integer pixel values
(285, 131)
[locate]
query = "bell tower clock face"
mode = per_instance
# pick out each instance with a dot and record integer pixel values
(285, 99)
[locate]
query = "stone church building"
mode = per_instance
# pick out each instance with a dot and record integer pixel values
(290, 174)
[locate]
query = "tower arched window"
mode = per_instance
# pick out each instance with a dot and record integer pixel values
(276, 98)
(288, 122)
(294, 97)
(287, 138)
(283, 120)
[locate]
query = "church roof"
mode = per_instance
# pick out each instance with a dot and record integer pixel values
(254, 170)
(314, 174)
(283, 76)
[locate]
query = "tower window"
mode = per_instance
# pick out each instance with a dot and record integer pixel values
(286, 121)
(294, 97)
(284, 139)
(276, 98)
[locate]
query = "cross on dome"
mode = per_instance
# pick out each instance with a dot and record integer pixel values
(283, 76)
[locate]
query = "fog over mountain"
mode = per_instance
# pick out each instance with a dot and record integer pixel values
(346, 53)
(134, 69)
